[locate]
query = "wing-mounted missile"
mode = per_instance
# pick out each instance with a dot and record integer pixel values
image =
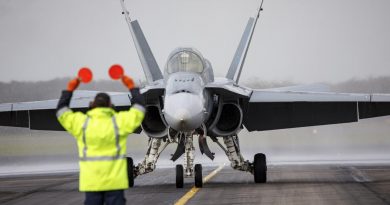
(242, 49)
(149, 63)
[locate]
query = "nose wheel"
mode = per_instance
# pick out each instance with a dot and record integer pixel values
(179, 176)
(198, 176)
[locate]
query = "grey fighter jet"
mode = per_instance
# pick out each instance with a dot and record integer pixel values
(186, 102)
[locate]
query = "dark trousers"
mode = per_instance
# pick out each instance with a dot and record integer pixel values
(105, 197)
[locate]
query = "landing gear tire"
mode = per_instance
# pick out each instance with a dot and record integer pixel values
(260, 168)
(130, 171)
(198, 176)
(179, 176)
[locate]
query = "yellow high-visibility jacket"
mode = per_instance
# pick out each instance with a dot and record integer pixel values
(101, 136)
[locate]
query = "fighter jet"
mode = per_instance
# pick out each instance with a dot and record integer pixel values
(186, 102)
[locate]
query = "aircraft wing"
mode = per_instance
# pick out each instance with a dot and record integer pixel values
(314, 87)
(270, 110)
(41, 115)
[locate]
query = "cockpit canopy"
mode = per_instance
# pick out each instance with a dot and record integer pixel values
(185, 61)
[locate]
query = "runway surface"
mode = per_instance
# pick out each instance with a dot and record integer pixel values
(287, 184)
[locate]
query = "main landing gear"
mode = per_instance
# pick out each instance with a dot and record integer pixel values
(130, 171)
(185, 146)
(259, 166)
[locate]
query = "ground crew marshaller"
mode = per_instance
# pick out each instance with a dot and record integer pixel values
(101, 136)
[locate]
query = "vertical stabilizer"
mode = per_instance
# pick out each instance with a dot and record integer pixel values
(242, 49)
(149, 63)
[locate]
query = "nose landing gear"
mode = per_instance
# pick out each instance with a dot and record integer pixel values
(188, 170)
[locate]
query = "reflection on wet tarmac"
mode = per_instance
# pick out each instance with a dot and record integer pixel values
(25, 151)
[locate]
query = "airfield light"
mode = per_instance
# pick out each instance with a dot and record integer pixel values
(116, 72)
(85, 75)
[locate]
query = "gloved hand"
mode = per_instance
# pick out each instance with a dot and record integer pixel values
(73, 84)
(128, 82)
(137, 97)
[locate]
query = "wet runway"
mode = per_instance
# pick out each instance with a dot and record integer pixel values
(288, 184)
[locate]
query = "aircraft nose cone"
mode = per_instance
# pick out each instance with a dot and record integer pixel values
(182, 120)
(183, 111)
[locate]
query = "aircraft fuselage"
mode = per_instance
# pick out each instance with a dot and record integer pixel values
(186, 103)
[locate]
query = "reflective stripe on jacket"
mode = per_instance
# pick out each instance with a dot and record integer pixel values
(101, 136)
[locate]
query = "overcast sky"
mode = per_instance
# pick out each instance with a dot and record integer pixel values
(303, 40)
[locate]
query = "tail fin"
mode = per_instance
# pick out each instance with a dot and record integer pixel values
(149, 63)
(242, 49)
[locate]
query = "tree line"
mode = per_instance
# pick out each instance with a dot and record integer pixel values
(44, 90)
